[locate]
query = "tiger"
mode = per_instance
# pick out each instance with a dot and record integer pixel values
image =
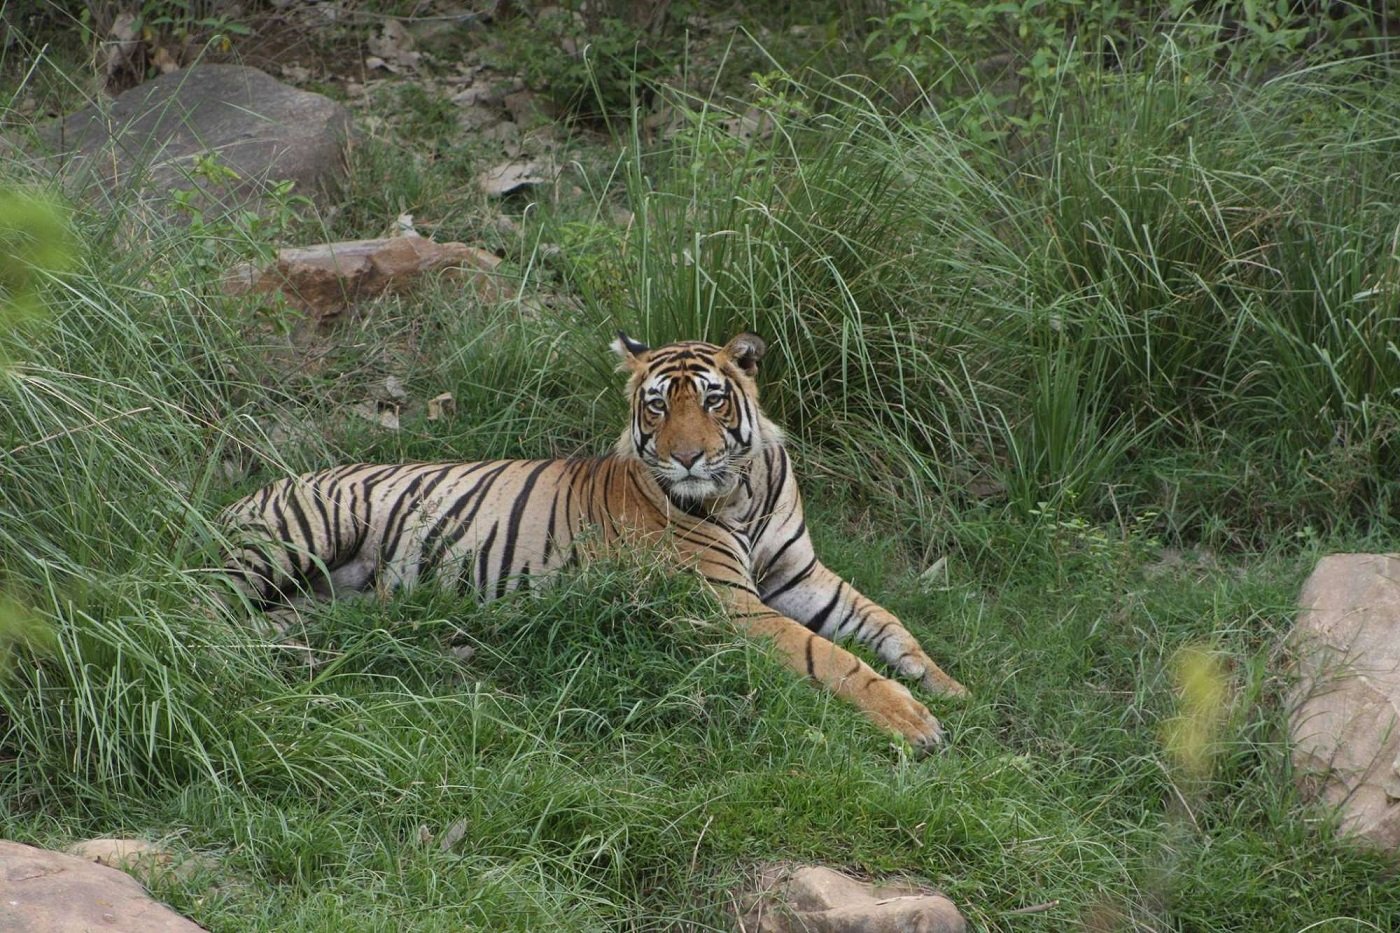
(699, 469)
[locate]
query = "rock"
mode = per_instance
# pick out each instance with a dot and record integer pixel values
(48, 892)
(328, 278)
(384, 414)
(442, 406)
(137, 857)
(511, 176)
(145, 861)
(257, 127)
(393, 48)
(455, 834)
(525, 107)
(1345, 710)
(788, 898)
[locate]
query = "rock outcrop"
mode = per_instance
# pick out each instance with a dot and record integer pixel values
(48, 892)
(1345, 716)
(787, 898)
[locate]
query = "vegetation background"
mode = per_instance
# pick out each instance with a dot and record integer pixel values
(1084, 326)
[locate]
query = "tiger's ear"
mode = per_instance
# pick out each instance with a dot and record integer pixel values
(746, 350)
(628, 350)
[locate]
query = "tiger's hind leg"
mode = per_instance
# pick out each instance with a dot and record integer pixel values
(300, 537)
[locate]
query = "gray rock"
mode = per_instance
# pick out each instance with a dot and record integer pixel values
(787, 898)
(152, 135)
(47, 892)
(1345, 711)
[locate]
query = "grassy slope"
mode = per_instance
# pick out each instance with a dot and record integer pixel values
(955, 317)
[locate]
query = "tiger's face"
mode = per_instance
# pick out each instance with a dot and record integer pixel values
(695, 421)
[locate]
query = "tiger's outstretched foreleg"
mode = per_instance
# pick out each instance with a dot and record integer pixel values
(885, 702)
(832, 608)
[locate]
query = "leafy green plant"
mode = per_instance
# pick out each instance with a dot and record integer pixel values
(592, 69)
(991, 68)
(995, 66)
(247, 234)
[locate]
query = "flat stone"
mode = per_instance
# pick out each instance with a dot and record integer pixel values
(788, 898)
(145, 861)
(326, 279)
(152, 135)
(49, 892)
(1345, 709)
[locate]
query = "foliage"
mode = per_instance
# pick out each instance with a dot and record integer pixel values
(1079, 397)
(249, 233)
(991, 68)
(36, 241)
(178, 21)
(591, 69)
(1187, 277)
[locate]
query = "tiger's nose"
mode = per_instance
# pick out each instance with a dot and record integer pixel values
(686, 458)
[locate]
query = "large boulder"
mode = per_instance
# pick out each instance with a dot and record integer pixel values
(48, 892)
(789, 898)
(152, 136)
(1345, 716)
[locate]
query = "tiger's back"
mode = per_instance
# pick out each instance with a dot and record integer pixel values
(478, 526)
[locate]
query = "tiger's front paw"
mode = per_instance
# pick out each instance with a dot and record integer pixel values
(892, 707)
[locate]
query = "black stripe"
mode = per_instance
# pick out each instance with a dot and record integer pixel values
(359, 517)
(633, 476)
(606, 473)
(411, 500)
(776, 482)
(403, 504)
(335, 544)
(549, 529)
(731, 585)
(375, 473)
(797, 578)
(278, 515)
(777, 556)
(735, 569)
(483, 557)
(579, 466)
(815, 623)
(307, 550)
(517, 513)
(850, 614)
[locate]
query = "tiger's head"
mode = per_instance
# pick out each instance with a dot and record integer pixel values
(695, 420)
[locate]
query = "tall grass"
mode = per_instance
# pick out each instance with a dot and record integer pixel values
(1172, 313)
(1181, 277)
